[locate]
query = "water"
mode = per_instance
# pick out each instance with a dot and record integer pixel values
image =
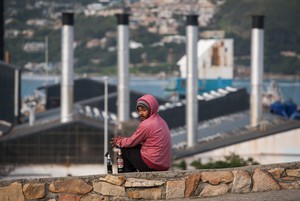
(289, 89)
(30, 83)
(147, 85)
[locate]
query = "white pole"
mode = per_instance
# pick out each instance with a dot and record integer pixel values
(257, 57)
(67, 68)
(192, 80)
(123, 68)
(105, 119)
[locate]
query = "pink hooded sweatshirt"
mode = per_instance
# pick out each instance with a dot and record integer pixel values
(154, 136)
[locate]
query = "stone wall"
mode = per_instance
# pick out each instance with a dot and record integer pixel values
(156, 185)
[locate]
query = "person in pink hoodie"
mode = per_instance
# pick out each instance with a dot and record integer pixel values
(149, 148)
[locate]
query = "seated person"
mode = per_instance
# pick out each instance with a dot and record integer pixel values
(149, 148)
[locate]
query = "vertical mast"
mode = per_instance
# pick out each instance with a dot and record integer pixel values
(257, 58)
(67, 67)
(192, 79)
(123, 68)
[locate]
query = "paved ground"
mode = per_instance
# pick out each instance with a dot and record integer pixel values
(281, 195)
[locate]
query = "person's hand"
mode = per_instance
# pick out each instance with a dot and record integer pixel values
(113, 142)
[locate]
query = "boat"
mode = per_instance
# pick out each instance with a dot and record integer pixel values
(274, 101)
(215, 69)
(287, 109)
(271, 95)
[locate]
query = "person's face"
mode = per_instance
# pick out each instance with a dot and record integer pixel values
(143, 113)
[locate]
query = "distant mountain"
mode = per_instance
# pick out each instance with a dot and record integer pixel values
(282, 31)
(282, 35)
(30, 22)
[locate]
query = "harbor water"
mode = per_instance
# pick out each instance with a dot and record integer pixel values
(290, 90)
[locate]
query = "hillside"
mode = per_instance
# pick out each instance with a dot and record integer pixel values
(282, 36)
(282, 31)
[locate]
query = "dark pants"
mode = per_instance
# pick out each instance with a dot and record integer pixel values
(133, 161)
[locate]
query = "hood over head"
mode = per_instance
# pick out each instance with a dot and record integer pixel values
(151, 101)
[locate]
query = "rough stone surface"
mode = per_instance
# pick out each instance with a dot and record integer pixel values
(12, 192)
(109, 189)
(175, 189)
(133, 182)
(191, 184)
(169, 185)
(291, 185)
(276, 172)
(293, 173)
(68, 197)
(263, 182)
(148, 194)
(288, 178)
(217, 177)
(241, 182)
(211, 191)
(94, 197)
(34, 191)
(76, 186)
(116, 180)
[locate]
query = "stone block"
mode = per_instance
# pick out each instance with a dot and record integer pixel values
(109, 189)
(34, 191)
(212, 191)
(288, 178)
(276, 172)
(241, 182)
(94, 197)
(175, 189)
(293, 173)
(116, 180)
(133, 182)
(263, 182)
(292, 185)
(12, 192)
(217, 177)
(68, 197)
(146, 194)
(76, 186)
(191, 184)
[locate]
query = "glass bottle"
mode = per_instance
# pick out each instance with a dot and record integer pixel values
(108, 164)
(120, 162)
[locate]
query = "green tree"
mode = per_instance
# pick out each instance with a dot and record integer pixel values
(143, 36)
(282, 31)
(181, 165)
(229, 161)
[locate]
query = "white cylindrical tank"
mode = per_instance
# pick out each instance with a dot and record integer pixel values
(192, 79)
(257, 58)
(123, 68)
(67, 81)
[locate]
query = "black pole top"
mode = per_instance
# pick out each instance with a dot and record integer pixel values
(123, 18)
(192, 20)
(258, 21)
(68, 19)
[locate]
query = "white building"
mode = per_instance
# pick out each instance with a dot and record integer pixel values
(215, 59)
(34, 47)
(281, 147)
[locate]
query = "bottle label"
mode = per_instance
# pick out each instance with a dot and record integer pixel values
(120, 163)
